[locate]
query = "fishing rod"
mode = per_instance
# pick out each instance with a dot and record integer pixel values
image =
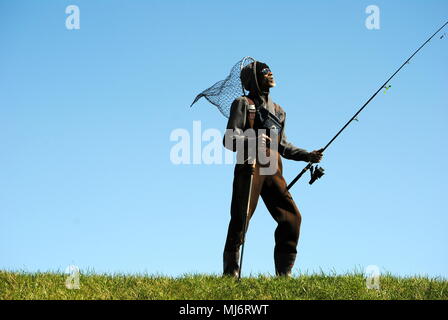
(318, 172)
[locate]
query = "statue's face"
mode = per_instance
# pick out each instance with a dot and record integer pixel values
(268, 78)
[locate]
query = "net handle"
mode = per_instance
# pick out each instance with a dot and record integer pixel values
(241, 68)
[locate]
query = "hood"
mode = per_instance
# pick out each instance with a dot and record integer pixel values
(251, 77)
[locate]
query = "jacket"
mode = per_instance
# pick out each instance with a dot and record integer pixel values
(237, 124)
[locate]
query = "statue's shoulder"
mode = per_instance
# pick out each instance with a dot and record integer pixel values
(279, 112)
(240, 102)
(241, 99)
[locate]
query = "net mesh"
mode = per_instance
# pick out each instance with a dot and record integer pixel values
(224, 92)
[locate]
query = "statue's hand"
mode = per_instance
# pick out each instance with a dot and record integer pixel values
(315, 156)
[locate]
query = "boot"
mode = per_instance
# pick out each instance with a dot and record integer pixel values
(284, 263)
(231, 260)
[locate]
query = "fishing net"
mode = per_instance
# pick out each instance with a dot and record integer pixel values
(224, 92)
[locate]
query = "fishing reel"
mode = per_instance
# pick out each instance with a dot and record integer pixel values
(316, 173)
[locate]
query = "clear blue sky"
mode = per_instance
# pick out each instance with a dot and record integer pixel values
(86, 116)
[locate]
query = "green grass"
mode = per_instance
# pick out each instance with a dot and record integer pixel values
(20, 285)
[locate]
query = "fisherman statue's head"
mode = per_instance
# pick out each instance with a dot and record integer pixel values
(246, 76)
(257, 78)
